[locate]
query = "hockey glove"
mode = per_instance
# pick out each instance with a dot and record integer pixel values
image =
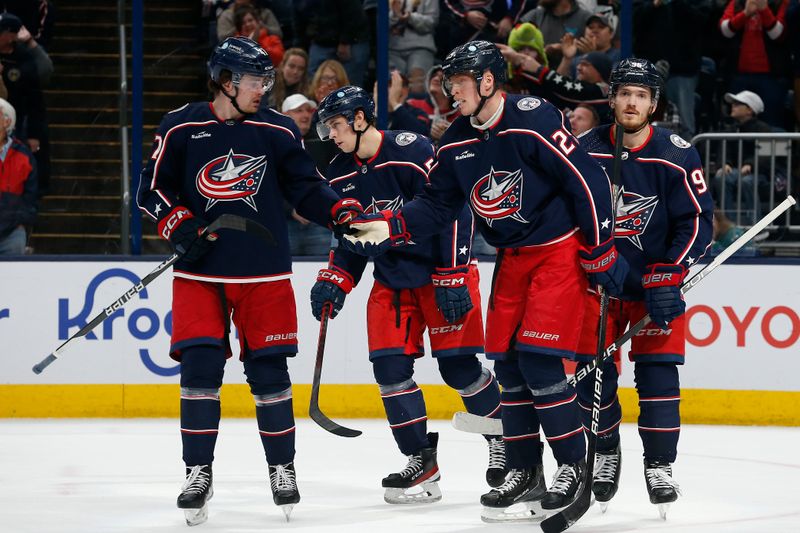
(452, 293)
(605, 266)
(183, 230)
(332, 286)
(343, 212)
(375, 233)
(662, 292)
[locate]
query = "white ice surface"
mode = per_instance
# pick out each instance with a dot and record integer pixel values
(124, 476)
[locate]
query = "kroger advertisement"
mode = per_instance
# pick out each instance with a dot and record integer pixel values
(744, 328)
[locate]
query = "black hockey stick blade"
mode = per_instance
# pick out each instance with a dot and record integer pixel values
(314, 411)
(227, 221)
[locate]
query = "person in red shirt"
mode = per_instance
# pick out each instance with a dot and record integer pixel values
(18, 185)
(758, 55)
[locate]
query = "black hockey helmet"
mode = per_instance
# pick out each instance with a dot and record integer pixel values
(475, 58)
(344, 101)
(241, 56)
(635, 71)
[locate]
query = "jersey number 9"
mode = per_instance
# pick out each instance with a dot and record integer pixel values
(699, 181)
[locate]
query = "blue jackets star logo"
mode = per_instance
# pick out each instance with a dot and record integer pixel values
(634, 212)
(231, 177)
(498, 195)
(376, 206)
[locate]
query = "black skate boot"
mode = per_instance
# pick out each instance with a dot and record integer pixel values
(283, 482)
(607, 466)
(195, 493)
(660, 486)
(566, 486)
(420, 474)
(523, 486)
(496, 471)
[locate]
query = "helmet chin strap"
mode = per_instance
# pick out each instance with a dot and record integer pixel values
(358, 133)
(233, 99)
(483, 98)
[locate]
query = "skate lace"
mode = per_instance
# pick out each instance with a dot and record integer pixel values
(197, 480)
(497, 454)
(283, 478)
(605, 467)
(414, 465)
(564, 477)
(514, 479)
(660, 477)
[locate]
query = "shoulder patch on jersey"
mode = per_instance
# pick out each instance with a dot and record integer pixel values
(529, 103)
(678, 141)
(405, 138)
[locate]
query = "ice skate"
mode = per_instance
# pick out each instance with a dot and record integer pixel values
(417, 482)
(283, 482)
(607, 467)
(566, 486)
(496, 471)
(516, 500)
(195, 493)
(663, 490)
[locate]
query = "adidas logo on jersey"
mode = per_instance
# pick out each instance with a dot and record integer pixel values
(466, 154)
(201, 135)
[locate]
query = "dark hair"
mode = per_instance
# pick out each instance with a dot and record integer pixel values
(224, 77)
(593, 111)
(241, 12)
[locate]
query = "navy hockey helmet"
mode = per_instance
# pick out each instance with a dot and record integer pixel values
(475, 58)
(344, 101)
(241, 56)
(635, 71)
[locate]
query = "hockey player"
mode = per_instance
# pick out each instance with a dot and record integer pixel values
(663, 227)
(431, 284)
(227, 156)
(546, 205)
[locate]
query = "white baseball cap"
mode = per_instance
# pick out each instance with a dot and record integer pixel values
(296, 100)
(748, 98)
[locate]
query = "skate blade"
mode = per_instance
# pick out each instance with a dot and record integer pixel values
(662, 510)
(195, 517)
(427, 492)
(287, 510)
(603, 507)
(519, 512)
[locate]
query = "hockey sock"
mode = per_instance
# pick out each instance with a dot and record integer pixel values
(610, 409)
(557, 406)
(520, 420)
(201, 378)
(403, 402)
(474, 383)
(268, 377)
(659, 409)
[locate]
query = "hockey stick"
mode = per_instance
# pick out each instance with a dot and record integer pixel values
(314, 411)
(227, 221)
(471, 423)
(562, 520)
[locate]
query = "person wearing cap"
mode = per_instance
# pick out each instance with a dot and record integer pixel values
(300, 109)
(597, 37)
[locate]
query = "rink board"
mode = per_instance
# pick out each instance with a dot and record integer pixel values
(742, 364)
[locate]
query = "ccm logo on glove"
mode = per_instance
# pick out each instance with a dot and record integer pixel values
(173, 220)
(448, 282)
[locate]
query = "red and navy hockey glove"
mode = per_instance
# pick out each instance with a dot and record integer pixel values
(605, 266)
(184, 231)
(375, 233)
(332, 286)
(344, 211)
(662, 292)
(452, 293)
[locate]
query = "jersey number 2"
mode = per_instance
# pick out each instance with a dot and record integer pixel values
(562, 138)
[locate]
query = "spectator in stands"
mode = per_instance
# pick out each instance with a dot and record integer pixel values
(339, 30)
(21, 77)
(598, 36)
(226, 23)
(411, 43)
(557, 18)
(524, 38)
(437, 106)
(403, 116)
(757, 52)
(667, 115)
(247, 23)
(583, 118)
(673, 31)
(470, 20)
(793, 35)
(330, 75)
(291, 77)
(726, 231)
(36, 16)
(18, 186)
(301, 110)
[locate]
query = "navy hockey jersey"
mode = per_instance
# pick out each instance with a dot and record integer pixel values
(525, 177)
(242, 167)
(664, 207)
(392, 177)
